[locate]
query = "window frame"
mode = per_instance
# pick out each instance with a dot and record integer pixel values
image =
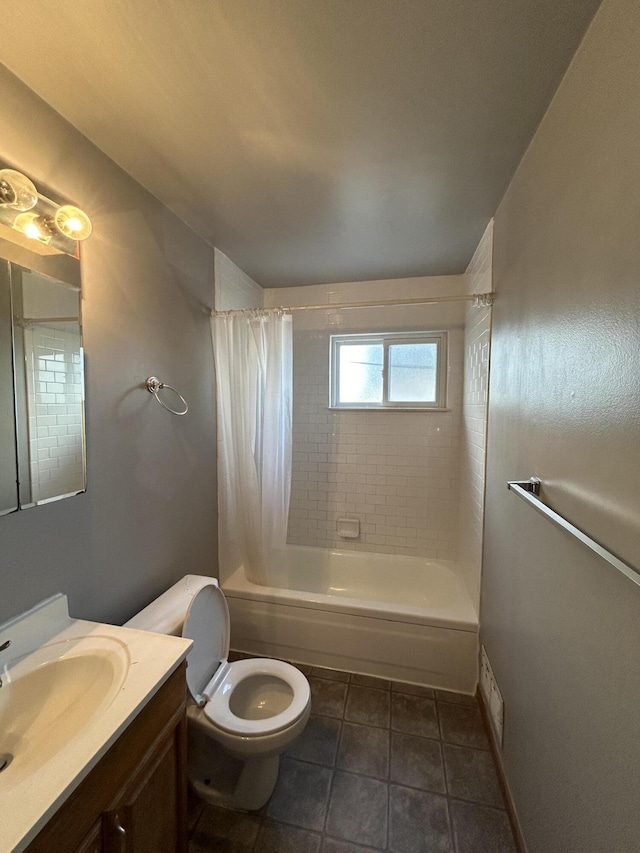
(387, 339)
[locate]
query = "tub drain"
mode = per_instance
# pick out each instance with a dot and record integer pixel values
(5, 760)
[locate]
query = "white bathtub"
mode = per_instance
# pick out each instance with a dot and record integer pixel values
(404, 618)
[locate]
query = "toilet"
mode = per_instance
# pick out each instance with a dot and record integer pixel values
(241, 715)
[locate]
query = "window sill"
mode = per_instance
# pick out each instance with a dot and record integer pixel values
(387, 409)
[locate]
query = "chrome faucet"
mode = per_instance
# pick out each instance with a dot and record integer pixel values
(4, 646)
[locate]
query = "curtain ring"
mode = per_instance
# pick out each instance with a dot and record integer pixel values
(154, 386)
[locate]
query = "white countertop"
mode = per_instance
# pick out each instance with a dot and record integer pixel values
(26, 806)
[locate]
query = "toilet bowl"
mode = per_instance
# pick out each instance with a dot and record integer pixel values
(241, 715)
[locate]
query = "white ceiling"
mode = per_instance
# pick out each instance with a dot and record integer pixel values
(310, 140)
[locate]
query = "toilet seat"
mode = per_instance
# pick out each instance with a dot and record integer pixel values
(207, 623)
(212, 680)
(220, 714)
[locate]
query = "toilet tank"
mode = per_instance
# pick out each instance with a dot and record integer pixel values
(166, 614)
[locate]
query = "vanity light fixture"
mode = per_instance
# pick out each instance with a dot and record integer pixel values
(35, 216)
(69, 221)
(72, 222)
(27, 223)
(17, 192)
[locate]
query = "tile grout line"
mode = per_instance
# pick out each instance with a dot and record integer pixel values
(445, 794)
(333, 774)
(448, 799)
(379, 779)
(439, 739)
(482, 805)
(388, 836)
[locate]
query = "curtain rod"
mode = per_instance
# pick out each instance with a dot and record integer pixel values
(479, 300)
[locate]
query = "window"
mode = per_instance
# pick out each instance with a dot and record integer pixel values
(402, 370)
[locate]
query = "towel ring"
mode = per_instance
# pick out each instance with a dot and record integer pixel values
(154, 385)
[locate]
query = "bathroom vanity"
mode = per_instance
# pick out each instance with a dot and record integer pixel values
(135, 798)
(92, 736)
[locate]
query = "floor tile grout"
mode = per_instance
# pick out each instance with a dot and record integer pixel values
(331, 781)
(439, 739)
(446, 787)
(391, 781)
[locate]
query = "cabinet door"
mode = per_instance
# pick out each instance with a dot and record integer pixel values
(93, 841)
(146, 819)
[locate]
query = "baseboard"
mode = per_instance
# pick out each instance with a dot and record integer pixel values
(502, 779)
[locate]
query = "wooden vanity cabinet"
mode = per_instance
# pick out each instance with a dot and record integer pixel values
(135, 798)
(145, 816)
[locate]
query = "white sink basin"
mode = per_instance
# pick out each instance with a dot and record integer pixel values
(49, 696)
(69, 690)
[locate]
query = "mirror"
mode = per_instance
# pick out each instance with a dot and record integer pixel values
(42, 453)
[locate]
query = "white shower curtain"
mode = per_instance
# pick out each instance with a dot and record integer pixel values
(253, 358)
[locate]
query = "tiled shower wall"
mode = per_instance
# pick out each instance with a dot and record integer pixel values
(477, 344)
(54, 385)
(396, 472)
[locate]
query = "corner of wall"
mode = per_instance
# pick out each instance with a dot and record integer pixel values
(477, 342)
(234, 289)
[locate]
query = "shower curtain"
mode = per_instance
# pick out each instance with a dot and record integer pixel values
(253, 353)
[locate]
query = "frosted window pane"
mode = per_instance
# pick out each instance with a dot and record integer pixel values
(412, 373)
(361, 373)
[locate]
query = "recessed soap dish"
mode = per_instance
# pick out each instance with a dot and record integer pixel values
(348, 528)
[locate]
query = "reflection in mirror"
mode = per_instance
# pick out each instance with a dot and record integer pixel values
(42, 446)
(49, 386)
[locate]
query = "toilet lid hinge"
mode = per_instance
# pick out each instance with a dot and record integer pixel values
(212, 686)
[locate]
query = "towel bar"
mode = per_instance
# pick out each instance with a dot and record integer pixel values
(529, 490)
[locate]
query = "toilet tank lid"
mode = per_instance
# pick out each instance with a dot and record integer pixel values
(166, 614)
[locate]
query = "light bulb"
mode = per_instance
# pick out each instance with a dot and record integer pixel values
(31, 226)
(73, 222)
(16, 190)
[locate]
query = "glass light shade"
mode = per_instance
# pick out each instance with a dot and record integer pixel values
(16, 190)
(31, 225)
(73, 222)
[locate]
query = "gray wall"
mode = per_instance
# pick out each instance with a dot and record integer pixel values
(561, 627)
(149, 514)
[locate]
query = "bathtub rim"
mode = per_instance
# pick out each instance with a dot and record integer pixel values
(238, 586)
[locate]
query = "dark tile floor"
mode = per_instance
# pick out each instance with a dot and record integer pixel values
(380, 766)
